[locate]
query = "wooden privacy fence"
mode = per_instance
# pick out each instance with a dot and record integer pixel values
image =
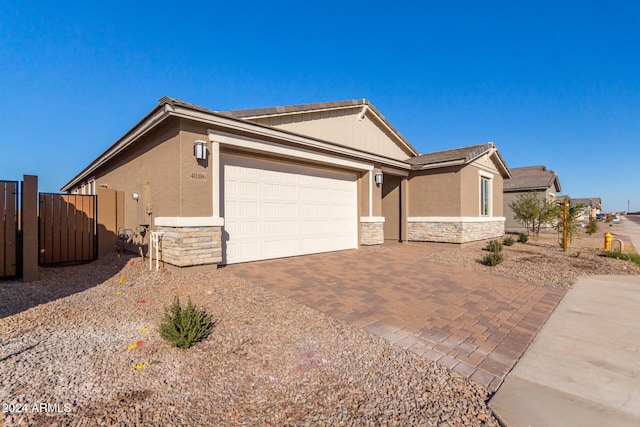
(67, 228)
(9, 250)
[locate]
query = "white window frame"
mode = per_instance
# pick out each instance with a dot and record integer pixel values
(485, 176)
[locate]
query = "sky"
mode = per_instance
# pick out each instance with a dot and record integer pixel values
(554, 83)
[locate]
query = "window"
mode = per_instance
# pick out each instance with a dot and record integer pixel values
(485, 196)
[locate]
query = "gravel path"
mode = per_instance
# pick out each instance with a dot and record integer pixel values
(269, 360)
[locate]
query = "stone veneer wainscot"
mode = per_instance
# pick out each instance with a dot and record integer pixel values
(191, 246)
(371, 230)
(454, 229)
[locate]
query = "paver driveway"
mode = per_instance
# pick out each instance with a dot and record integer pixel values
(476, 324)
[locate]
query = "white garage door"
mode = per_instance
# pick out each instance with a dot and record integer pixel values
(274, 210)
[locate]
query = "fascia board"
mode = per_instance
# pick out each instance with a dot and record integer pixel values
(264, 131)
(441, 165)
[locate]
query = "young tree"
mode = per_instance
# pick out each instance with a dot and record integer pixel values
(549, 213)
(533, 211)
(526, 209)
(573, 212)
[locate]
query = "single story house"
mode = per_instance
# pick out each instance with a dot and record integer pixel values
(592, 207)
(523, 180)
(246, 185)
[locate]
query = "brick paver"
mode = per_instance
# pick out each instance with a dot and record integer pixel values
(477, 324)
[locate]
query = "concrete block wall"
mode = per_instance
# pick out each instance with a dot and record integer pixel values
(191, 246)
(454, 231)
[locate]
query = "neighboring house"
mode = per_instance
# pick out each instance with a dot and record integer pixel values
(524, 180)
(592, 207)
(268, 183)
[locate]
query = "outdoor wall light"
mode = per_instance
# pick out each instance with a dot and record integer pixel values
(135, 196)
(379, 178)
(200, 150)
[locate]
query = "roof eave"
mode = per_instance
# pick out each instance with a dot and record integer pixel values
(492, 150)
(159, 113)
(457, 162)
(167, 107)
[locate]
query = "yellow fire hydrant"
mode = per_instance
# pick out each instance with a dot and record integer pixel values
(608, 237)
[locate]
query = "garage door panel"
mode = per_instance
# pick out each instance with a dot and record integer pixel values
(274, 210)
(272, 228)
(247, 209)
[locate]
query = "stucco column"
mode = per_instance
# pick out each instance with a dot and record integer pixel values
(404, 209)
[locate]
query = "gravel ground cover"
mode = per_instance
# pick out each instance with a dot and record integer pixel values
(269, 360)
(541, 260)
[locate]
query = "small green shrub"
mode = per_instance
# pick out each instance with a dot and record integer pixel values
(625, 257)
(494, 246)
(523, 238)
(184, 326)
(493, 259)
(592, 227)
(508, 241)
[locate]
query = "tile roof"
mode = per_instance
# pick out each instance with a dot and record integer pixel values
(462, 155)
(174, 102)
(594, 202)
(531, 178)
(297, 108)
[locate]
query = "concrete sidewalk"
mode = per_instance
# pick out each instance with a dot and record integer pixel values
(583, 368)
(631, 227)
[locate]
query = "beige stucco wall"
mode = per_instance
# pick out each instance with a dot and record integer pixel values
(161, 167)
(342, 127)
(471, 190)
(435, 192)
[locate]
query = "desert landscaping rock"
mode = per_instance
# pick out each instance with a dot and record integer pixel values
(541, 260)
(269, 360)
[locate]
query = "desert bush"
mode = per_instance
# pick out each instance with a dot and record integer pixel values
(592, 227)
(184, 326)
(493, 259)
(508, 241)
(494, 246)
(523, 238)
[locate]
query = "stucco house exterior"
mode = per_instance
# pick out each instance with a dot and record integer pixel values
(247, 185)
(543, 181)
(592, 207)
(457, 195)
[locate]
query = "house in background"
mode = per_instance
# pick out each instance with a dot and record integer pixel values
(592, 207)
(523, 180)
(248, 185)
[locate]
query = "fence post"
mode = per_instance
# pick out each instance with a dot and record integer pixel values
(30, 228)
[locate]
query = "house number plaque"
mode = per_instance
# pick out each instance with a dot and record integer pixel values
(199, 176)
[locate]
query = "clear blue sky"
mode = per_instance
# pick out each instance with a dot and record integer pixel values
(552, 83)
